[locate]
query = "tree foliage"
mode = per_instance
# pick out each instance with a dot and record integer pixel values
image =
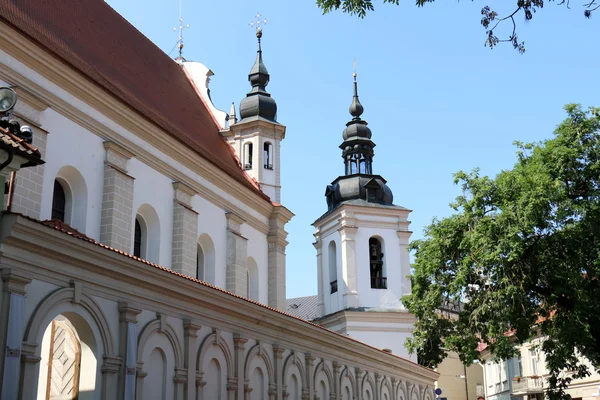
(519, 257)
(490, 19)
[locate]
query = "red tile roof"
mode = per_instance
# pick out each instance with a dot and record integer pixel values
(20, 147)
(95, 40)
(64, 228)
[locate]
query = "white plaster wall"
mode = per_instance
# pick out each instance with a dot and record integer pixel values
(153, 188)
(36, 291)
(258, 249)
(393, 270)
(212, 221)
(387, 338)
(52, 121)
(70, 144)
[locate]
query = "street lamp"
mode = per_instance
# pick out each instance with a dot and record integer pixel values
(8, 99)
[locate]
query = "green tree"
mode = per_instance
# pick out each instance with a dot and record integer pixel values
(520, 256)
(490, 19)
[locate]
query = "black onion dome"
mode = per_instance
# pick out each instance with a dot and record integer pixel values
(369, 188)
(258, 103)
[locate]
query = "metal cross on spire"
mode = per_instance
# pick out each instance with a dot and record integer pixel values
(259, 20)
(354, 68)
(181, 27)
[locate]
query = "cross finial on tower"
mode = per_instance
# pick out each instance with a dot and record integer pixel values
(354, 68)
(181, 27)
(259, 20)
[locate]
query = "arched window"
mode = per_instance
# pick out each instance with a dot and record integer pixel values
(268, 155)
(248, 155)
(137, 239)
(378, 281)
(333, 283)
(59, 201)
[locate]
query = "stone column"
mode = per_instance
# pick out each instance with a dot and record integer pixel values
(110, 373)
(117, 200)
(278, 366)
(190, 336)
(349, 265)
(404, 237)
(12, 326)
(239, 345)
(276, 257)
(185, 231)
(237, 254)
(128, 340)
(310, 370)
(321, 290)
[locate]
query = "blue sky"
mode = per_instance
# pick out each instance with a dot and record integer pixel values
(436, 99)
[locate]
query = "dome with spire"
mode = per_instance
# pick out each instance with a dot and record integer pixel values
(258, 102)
(358, 185)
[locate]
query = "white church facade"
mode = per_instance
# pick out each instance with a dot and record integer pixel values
(144, 258)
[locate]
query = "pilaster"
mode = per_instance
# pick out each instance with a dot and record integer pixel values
(348, 243)
(278, 366)
(12, 325)
(336, 380)
(179, 380)
(190, 337)
(117, 199)
(239, 346)
(404, 237)
(321, 290)
(185, 231)
(128, 338)
(237, 254)
(310, 370)
(110, 374)
(276, 256)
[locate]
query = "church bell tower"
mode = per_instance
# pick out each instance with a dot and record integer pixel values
(362, 248)
(257, 136)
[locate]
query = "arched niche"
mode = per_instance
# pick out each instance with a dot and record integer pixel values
(206, 262)
(258, 359)
(147, 218)
(76, 196)
(253, 279)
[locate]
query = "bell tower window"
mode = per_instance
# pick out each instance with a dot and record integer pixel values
(378, 281)
(333, 283)
(59, 202)
(248, 156)
(268, 155)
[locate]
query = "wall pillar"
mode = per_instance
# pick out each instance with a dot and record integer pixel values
(232, 388)
(404, 237)
(336, 380)
(239, 345)
(276, 256)
(128, 341)
(320, 270)
(117, 199)
(310, 370)
(278, 366)
(349, 272)
(179, 380)
(200, 383)
(185, 231)
(190, 336)
(12, 326)
(237, 254)
(358, 374)
(30, 367)
(110, 374)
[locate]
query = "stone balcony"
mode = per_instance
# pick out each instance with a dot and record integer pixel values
(527, 385)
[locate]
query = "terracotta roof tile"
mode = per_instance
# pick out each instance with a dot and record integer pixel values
(64, 228)
(21, 147)
(95, 40)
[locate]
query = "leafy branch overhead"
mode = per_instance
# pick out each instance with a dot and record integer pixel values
(520, 257)
(490, 19)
